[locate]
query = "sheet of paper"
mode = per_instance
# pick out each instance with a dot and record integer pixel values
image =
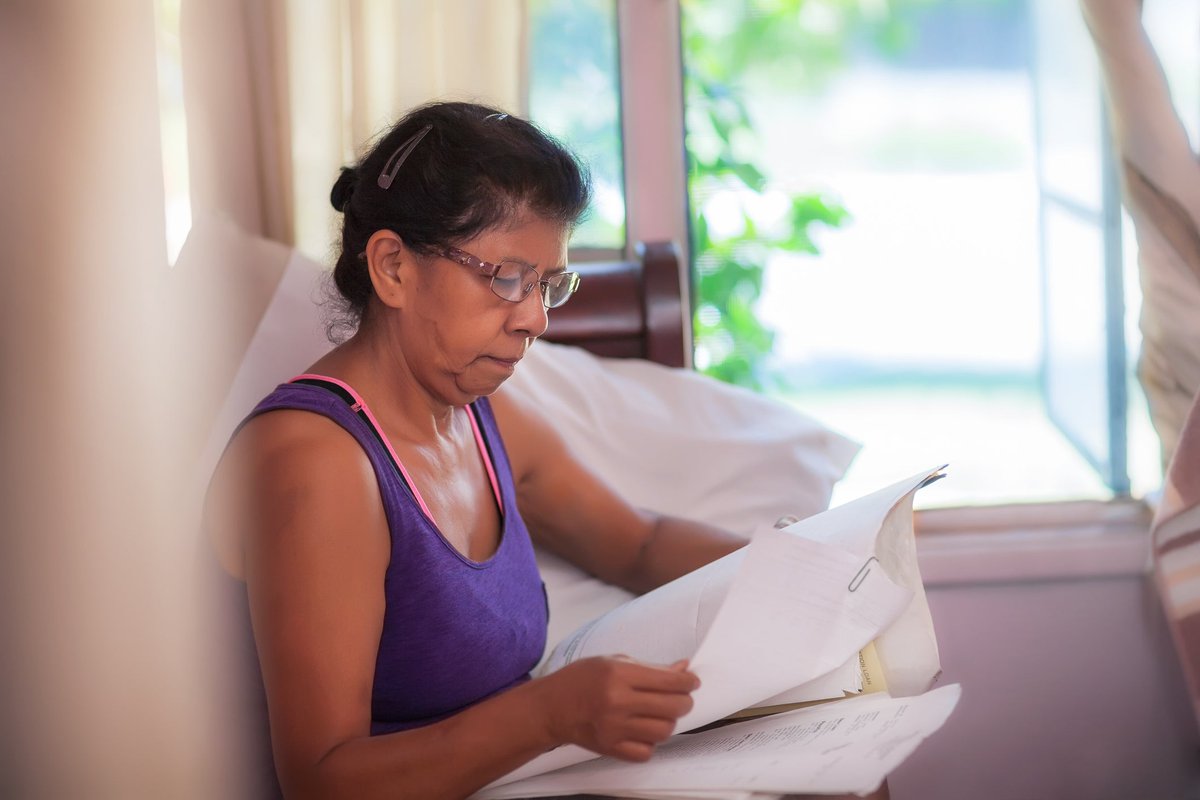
(907, 650)
(789, 618)
(699, 794)
(660, 627)
(830, 686)
(845, 746)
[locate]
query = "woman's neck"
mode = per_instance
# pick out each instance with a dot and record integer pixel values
(376, 367)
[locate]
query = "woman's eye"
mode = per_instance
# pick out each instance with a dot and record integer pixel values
(509, 280)
(510, 272)
(516, 274)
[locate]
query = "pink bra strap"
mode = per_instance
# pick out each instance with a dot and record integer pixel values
(487, 461)
(360, 404)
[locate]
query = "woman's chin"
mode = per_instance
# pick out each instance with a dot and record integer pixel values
(469, 391)
(486, 377)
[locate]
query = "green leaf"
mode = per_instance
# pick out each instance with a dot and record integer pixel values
(728, 43)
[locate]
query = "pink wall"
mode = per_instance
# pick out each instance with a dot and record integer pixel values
(1070, 690)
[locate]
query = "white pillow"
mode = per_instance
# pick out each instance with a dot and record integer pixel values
(676, 442)
(289, 337)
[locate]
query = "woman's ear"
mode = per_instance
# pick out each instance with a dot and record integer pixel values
(387, 258)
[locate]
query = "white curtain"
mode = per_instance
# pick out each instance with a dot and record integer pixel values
(356, 66)
(282, 93)
(1161, 189)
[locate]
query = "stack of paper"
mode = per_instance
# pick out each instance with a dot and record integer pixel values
(848, 746)
(784, 620)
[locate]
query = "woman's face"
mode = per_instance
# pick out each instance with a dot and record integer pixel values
(460, 339)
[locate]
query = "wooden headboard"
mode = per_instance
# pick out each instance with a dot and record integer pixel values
(630, 309)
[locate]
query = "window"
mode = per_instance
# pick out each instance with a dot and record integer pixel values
(173, 126)
(880, 166)
(574, 93)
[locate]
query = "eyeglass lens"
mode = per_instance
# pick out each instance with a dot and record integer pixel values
(514, 281)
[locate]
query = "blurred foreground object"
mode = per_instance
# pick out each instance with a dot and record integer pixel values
(1160, 184)
(1176, 538)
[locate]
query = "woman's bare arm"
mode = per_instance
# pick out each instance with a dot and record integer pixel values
(311, 541)
(572, 512)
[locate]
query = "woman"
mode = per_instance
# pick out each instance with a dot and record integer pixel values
(381, 523)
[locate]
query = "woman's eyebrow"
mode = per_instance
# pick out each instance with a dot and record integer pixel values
(544, 272)
(517, 259)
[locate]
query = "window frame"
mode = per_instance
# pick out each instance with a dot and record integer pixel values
(1105, 220)
(652, 129)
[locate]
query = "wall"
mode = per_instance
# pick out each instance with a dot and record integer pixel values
(1070, 684)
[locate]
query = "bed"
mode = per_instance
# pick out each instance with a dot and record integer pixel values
(630, 309)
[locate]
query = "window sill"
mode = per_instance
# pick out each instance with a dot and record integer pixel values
(1033, 542)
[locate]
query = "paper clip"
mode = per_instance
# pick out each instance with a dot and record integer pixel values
(861, 575)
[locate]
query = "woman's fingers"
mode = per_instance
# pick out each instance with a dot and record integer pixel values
(661, 705)
(618, 706)
(633, 751)
(650, 730)
(653, 691)
(648, 677)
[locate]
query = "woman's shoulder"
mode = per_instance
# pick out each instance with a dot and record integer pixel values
(296, 423)
(287, 464)
(290, 435)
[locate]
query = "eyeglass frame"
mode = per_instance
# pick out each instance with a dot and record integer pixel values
(490, 270)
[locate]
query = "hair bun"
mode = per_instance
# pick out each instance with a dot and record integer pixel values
(343, 188)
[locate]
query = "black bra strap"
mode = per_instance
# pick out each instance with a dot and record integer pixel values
(361, 413)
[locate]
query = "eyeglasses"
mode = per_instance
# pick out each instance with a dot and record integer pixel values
(514, 280)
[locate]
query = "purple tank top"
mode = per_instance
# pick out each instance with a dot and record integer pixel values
(455, 631)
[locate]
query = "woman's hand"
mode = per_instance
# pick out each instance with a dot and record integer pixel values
(616, 706)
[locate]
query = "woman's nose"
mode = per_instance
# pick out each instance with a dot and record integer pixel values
(530, 318)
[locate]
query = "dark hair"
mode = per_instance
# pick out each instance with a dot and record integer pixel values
(474, 169)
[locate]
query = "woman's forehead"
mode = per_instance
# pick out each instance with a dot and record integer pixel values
(534, 240)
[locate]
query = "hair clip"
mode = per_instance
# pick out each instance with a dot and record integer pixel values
(497, 116)
(388, 174)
